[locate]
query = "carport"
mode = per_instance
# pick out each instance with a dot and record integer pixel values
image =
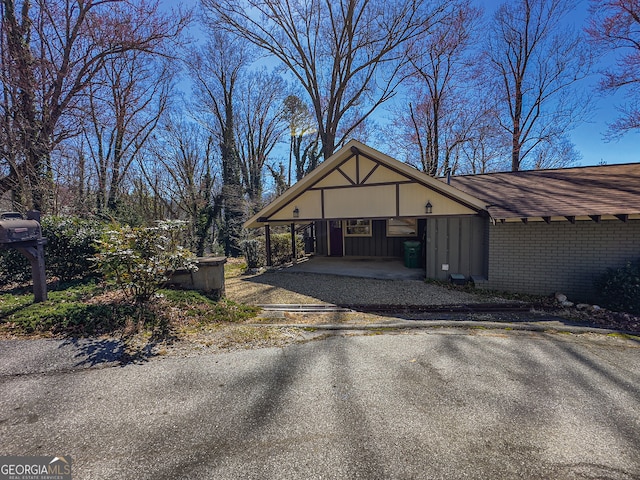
(360, 203)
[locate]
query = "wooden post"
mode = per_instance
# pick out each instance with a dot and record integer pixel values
(293, 242)
(267, 244)
(35, 255)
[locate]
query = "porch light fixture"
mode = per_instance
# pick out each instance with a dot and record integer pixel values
(429, 207)
(296, 212)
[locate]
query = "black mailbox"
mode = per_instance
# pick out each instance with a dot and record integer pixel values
(14, 229)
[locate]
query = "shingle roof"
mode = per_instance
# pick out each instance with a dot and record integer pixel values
(600, 190)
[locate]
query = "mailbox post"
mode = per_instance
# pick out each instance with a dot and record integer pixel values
(26, 237)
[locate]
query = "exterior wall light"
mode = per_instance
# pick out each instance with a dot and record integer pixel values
(429, 207)
(296, 212)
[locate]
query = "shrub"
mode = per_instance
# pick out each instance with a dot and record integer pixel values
(619, 289)
(71, 243)
(254, 250)
(281, 248)
(140, 260)
(253, 253)
(14, 267)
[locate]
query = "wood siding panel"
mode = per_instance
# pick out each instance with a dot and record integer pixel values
(322, 247)
(334, 179)
(385, 175)
(366, 166)
(361, 202)
(309, 206)
(459, 242)
(414, 197)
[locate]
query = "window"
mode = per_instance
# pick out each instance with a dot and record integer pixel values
(401, 227)
(357, 228)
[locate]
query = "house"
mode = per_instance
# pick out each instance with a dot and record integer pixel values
(533, 232)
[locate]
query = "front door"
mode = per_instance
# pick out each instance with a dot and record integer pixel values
(335, 238)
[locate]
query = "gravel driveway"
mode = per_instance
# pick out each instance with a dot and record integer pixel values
(304, 288)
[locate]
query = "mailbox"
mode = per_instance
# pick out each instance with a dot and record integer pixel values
(14, 229)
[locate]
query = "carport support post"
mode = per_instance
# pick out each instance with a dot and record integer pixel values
(293, 242)
(267, 244)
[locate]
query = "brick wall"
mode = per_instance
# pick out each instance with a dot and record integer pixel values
(562, 257)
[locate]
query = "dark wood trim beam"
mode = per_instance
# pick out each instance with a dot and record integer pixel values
(364, 180)
(624, 217)
(595, 218)
(525, 220)
(381, 184)
(293, 242)
(346, 176)
(267, 244)
(547, 220)
(571, 219)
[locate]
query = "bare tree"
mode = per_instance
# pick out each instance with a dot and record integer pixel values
(485, 149)
(345, 54)
(260, 126)
(303, 137)
(615, 27)
(51, 53)
(216, 71)
(187, 181)
(436, 124)
(535, 60)
(123, 109)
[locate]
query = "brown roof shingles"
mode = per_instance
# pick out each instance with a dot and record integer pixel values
(600, 190)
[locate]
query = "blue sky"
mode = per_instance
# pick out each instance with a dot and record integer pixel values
(588, 137)
(589, 140)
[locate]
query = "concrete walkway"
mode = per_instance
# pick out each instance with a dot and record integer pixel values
(383, 268)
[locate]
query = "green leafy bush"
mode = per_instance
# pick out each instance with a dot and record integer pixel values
(619, 289)
(71, 243)
(14, 267)
(255, 250)
(252, 253)
(140, 260)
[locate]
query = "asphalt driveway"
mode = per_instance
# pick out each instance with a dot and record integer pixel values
(423, 404)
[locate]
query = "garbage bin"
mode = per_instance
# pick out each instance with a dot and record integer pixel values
(412, 254)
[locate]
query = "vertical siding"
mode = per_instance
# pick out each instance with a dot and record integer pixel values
(322, 246)
(542, 258)
(459, 242)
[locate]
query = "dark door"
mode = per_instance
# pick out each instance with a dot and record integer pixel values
(335, 238)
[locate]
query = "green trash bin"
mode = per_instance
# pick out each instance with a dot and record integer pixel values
(412, 254)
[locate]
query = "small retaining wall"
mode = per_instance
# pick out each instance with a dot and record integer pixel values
(542, 258)
(208, 278)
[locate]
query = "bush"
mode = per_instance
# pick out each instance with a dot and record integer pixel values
(253, 253)
(281, 248)
(71, 243)
(254, 250)
(14, 267)
(619, 289)
(140, 260)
